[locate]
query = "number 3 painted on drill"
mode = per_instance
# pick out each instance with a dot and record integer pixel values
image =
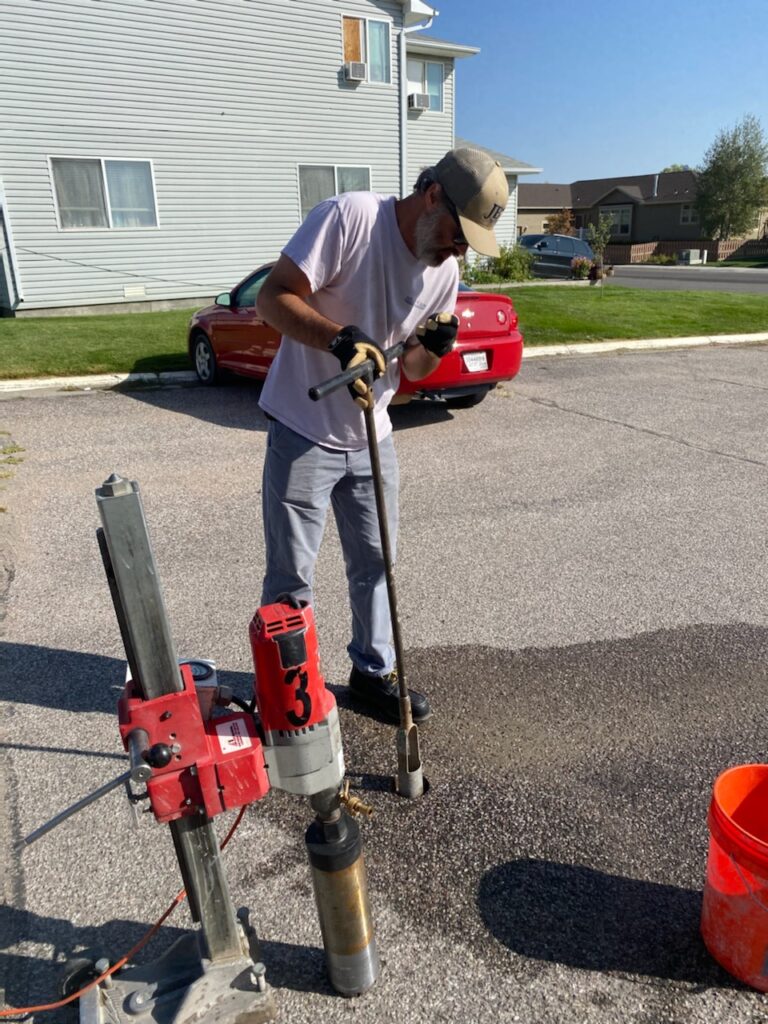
(300, 694)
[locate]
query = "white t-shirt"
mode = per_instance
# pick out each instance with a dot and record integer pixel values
(361, 272)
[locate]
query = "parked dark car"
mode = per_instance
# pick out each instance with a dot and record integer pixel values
(553, 253)
(230, 336)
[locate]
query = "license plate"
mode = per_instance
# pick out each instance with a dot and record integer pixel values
(475, 361)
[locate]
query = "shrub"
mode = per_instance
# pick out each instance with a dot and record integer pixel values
(581, 266)
(662, 260)
(512, 264)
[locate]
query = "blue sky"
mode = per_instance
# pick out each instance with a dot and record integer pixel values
(593, 88)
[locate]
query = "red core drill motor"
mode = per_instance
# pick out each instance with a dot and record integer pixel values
(303, 753)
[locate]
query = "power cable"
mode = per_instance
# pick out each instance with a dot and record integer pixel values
(179, 898)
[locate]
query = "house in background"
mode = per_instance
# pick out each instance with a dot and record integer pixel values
(643, 207)
(536, 203)
(153, 153)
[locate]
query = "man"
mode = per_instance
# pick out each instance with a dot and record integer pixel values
(362, 273)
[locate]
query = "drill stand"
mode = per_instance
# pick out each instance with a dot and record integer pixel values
(181, 987)
(214, 975)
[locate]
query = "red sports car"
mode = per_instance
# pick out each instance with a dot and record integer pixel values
(230, 336)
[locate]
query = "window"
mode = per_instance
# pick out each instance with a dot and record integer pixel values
(427, 76)
(367, 41)
(248, 292)
(317, 183)
(96, 193)
(621, 218)
(689, 214)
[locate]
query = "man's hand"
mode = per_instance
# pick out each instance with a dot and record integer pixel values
(438, 334)
(351, 347)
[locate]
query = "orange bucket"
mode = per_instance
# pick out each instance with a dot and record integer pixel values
(734, 914)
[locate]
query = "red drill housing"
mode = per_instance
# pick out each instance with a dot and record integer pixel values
(289, 687)
(217, 764)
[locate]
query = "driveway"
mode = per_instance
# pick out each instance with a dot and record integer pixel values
(696, 278)
(581, 578)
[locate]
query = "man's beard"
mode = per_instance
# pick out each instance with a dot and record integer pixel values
(427, 227)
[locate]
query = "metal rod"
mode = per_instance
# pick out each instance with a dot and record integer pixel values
(409, 780)
(386, 550)
(97, 794)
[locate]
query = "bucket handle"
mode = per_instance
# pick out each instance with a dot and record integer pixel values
(752, 894)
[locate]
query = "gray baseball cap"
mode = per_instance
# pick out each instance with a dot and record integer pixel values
(477, 186)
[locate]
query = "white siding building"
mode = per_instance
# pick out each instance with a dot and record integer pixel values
(155, 151)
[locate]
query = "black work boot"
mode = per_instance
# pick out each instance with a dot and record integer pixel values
(383, 694)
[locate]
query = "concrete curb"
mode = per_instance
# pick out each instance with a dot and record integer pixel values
(108, 381)
(595, 348)
(99, 382)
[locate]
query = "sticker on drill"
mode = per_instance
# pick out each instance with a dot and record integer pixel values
(233, 736)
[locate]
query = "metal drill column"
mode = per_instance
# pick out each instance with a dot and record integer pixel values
(140, 608)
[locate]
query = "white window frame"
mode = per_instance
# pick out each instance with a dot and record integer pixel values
(424, 62)
(335, 168)
(105, 185)
(367, 47)
(616, 212)
(693, 214)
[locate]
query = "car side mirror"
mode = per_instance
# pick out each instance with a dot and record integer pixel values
(225, 299)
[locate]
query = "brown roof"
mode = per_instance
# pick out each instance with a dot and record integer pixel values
(673, 187)
(543, 197)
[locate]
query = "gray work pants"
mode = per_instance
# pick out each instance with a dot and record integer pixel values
(300, 479)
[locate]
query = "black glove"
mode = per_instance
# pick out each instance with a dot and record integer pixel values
(438, 334)
(351, 347)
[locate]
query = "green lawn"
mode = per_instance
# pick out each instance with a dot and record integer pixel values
(761, 264)
(74, 345)
(551, 316)
(62, 346)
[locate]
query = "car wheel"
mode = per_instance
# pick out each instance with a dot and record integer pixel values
(466, 401)
(203, 357)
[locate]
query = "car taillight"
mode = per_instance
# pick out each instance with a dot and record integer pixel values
(507, 316)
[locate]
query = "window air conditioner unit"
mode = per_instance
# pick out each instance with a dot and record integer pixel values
(354, 71)
(418, 101)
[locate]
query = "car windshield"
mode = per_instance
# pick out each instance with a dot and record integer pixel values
(529, 240)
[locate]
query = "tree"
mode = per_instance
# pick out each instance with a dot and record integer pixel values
(674, 167)
(732, 184)
(561, 223)
(599, 235)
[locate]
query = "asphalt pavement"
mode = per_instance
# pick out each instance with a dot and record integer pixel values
(693, 278)
(581, 577)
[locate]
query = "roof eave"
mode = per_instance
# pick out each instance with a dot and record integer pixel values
(418, 44)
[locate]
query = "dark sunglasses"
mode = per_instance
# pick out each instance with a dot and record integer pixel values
(459, 238)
